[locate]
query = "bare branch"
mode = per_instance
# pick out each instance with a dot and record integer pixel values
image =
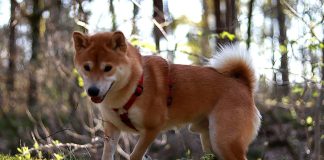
(122, 152)
(294, 12)
(158, 25)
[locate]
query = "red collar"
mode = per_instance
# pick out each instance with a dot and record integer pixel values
(124, 115)
(138, 91)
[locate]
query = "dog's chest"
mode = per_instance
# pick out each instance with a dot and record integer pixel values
(134, 114)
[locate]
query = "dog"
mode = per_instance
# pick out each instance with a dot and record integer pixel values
(146, 95)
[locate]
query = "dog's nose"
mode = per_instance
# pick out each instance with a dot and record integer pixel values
(93, 91)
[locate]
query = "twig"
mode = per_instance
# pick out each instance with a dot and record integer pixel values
(157, 24)
(122, 152)
(126, 141)
(294, 12)
(81, 23)
(305, 78)
(53, 146)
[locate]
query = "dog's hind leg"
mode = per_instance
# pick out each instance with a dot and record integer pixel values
(232, 128)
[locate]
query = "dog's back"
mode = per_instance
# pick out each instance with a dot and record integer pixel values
(216, 99)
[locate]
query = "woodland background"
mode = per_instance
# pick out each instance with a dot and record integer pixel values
(44, 112)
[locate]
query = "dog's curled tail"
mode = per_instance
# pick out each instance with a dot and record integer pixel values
(235, 62)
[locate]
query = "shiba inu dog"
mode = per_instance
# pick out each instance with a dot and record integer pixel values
(146, 95)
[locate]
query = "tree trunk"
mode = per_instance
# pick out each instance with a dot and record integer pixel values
(204, 43)
(171, 52)
(113, 15)
(318, 113)
(217, 12)
(34, 20)
(56, 13)
(12, 47)
(219, 23)
(230, 16)
(135, 13)
(248, 41)
(158, 15)
(225, 25)
(274, 93)
(283, 49)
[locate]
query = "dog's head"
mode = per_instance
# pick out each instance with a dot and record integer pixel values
(102, 61)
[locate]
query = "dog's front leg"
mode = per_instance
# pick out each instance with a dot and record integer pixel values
(143, 143)
(110, 141)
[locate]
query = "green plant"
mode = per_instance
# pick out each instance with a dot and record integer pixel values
(208, 156)
(24, 153)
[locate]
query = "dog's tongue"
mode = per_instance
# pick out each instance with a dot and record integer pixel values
(96, 99)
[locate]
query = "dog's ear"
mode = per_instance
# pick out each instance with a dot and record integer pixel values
(119, 41)
(80, 41)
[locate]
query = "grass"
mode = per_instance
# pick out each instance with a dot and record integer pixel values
(7, 157)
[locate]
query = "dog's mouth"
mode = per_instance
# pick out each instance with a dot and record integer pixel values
(99, 99)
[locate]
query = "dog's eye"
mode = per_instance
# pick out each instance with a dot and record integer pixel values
(86, 67)
(107, 68)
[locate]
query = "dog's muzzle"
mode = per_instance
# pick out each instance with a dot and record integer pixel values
(93, 92)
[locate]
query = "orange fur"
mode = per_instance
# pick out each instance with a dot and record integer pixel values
(217, 101)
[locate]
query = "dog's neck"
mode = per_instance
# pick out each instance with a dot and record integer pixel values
(119, 97)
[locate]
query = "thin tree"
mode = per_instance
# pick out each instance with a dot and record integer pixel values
(218, 20)
(318, 113)
(205, 48)
(273, 60)
(113, 15)
(249, 34)
(158, 15)
(135, 13)
(55, 15)
(34, 20)
(225, 21)
(281, 18)
(168, 28)
(12, 47)
(230, 16)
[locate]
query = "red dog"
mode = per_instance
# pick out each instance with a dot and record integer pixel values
(146, 95)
